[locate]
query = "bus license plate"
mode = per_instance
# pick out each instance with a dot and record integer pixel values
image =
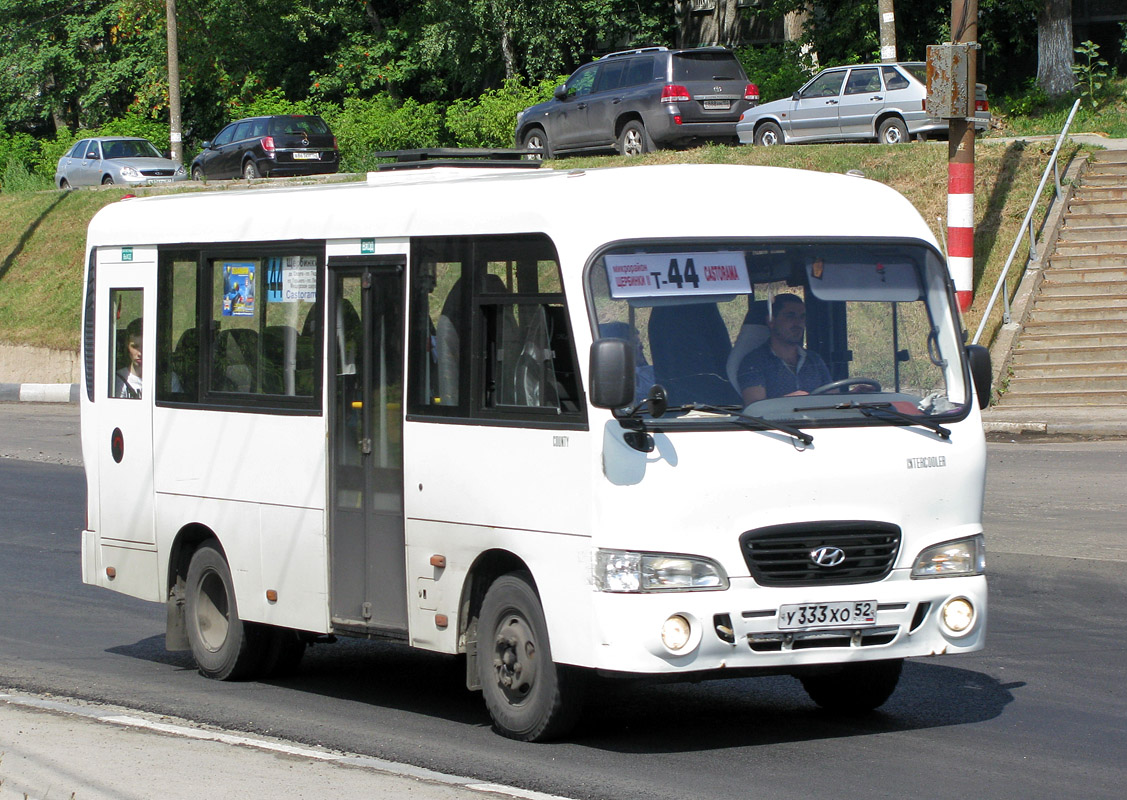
(306, 156)
(855, 614)
(718, 104)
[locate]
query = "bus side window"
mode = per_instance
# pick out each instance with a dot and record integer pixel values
(438, 327)
(178, 345)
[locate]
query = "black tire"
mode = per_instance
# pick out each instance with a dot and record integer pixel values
(769, 134)
(529, 697)
(107, 181)
(225, 647)
(64, 184)
(855, 688)
(893, 131)
(283, 650)
(197, 174)
(535, 141)
(634, 140)
(250, 171)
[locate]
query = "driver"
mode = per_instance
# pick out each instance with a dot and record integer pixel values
(781, 366)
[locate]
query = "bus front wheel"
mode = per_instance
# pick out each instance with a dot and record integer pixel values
(529, 697)
(854, 688)
(225, 647)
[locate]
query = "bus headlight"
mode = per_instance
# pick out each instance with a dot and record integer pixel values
(955, 559)
(626, 571)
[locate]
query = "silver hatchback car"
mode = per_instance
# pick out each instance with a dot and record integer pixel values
(862, 102)
(105, 160)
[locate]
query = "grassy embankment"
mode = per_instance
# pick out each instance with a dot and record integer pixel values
(42, 234)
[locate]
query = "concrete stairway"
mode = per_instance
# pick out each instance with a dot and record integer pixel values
(1073, 350)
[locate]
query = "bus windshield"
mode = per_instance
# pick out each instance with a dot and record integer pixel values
(818, 333)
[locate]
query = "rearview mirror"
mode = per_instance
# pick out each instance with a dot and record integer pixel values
(980, 372)
(612, 373)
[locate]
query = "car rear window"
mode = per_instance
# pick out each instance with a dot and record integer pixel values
(707, 67)
(280, 126)
(919, 71)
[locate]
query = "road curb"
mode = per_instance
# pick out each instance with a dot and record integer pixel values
(38, 392)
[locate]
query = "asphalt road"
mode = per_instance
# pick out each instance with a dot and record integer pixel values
(1040, 713)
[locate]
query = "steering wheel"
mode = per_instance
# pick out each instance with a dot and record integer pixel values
(844, 383)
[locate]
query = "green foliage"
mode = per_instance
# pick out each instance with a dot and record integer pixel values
(1023, 104)
(366, 126)
(18, 178)
(1091, 71)
(777, 69)
(268, 103)
(489, 120)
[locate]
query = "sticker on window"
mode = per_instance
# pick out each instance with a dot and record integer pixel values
(677, 274)
(291, 279)
(238, 289)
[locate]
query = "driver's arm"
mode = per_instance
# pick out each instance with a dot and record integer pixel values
(753, 394)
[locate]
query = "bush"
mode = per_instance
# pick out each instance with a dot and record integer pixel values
(490, 120)
(366, 126)
(777, 69)
(18, 178)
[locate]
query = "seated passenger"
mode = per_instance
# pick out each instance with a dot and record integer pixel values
(781, 366)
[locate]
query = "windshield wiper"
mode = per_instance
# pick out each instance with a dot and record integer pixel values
(759, 422)
(886, 408)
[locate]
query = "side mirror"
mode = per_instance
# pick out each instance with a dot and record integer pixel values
(612, 373)
(795, 96)
(980, 372)
(206, 145)
(560, 92)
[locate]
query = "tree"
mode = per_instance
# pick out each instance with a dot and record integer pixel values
(1054, 48)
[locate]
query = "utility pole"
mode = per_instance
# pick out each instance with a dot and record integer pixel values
(960, 161)
(174, 83)
(887, 30)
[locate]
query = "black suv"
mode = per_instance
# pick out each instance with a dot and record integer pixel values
(291, 144)
(638, 100)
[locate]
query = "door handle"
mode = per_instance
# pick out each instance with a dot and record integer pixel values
(581, 106)
(876, 97)
(831, 102)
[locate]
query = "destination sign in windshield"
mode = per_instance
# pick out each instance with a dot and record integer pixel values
(677, 274)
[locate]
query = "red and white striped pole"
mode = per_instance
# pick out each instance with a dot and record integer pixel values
(960, 225)
(960, 164)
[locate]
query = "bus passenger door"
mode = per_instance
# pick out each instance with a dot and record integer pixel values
(125, 309)
(366, 539)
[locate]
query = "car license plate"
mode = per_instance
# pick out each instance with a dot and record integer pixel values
(854, 614)
(721, 105)
(307, 156)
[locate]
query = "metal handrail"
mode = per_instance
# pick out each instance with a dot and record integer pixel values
(1026, 227)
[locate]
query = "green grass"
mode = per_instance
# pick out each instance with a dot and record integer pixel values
(1033, 114)
(42, 234)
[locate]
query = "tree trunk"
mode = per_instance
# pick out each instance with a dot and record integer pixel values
(1054, 48)
(794, 30)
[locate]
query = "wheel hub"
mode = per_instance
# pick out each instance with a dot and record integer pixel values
(514, 658)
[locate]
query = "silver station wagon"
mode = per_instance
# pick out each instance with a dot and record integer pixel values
(863, 102)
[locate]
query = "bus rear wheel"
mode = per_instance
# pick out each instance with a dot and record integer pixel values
(224, 647)
(855, 688)
(529, 697)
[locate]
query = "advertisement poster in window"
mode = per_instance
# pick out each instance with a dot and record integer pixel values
(238, 289)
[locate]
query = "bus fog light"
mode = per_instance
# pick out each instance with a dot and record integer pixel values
(676, 632)
(957, 615)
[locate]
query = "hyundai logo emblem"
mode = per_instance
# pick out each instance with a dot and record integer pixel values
(718, 89)
(828, 556)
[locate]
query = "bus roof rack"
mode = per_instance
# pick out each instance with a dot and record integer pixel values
(428, 157)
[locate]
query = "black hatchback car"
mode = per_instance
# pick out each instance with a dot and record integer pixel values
(638, 100)
(291, 144)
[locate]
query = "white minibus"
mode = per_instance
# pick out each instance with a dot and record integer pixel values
(672, 422)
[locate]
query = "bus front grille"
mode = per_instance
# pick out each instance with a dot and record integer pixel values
(821, 553)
